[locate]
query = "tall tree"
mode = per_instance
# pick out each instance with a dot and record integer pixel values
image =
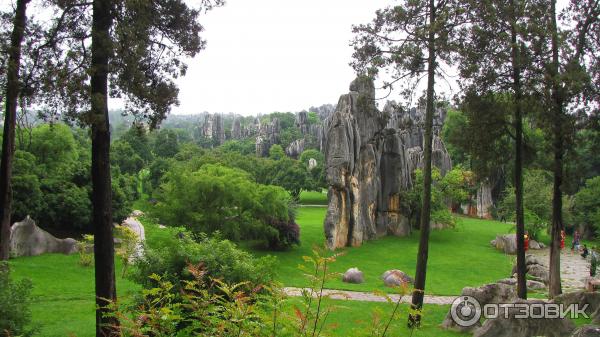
(494, 63)
(104, 251)
(10, 116)
(137, 49)
(412, 39)
(562, 58)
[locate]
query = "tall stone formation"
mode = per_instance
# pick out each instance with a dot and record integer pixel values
(213, 128)
(268, 135)
(370, 156)
(236, 129)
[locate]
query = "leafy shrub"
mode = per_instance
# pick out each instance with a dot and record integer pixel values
(288, 234)
(222, 259)
(217, 198)
(15, 298)
(85, 248)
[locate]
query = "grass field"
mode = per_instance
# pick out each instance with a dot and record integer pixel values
(313, 198)
(63, 303)
(457, 257)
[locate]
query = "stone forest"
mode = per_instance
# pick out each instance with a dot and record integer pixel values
(314, 169)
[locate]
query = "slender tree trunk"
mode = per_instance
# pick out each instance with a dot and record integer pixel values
(518, 125)
(557, 111)
(10, 117)
(414, 320)
(106, 292)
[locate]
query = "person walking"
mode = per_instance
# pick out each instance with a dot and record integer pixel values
(575, 243)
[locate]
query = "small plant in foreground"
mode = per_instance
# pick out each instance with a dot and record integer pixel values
(86, 250)
(15, 298)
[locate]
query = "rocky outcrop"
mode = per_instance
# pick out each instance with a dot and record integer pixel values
(236, 129)
(27, 239)
(369, 165)
(587, 331)
(268, 135)
(484, 200)
(213, 128)
(507, 243)
(296, 148)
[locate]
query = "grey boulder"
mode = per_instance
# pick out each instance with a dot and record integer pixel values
(27, 239)
(395, 277)
(353, 275)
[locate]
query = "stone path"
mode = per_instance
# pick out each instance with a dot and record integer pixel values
(370, 297)
(573, 268)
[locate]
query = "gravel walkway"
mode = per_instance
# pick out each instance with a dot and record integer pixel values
(573, 268)
(370, 297)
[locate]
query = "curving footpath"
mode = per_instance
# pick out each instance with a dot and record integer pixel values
(369, 297)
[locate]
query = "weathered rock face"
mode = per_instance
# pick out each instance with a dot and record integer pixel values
(369, 165)
(296, 148)
(507, 243)
(484, 200)
(268, 135)
(27, 239)
(236, 129)
(312, 164)
(213, 128)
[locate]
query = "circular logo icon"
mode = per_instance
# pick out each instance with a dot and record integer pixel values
(465, 311)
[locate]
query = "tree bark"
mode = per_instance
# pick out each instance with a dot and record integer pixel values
(106, 293)
(414, 319)
(554, 286)
(518, 125)
(10, 116)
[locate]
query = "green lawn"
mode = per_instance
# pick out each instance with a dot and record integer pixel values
(457, 257)
(313, 198)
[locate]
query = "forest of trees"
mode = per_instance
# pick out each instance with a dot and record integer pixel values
(527, 117)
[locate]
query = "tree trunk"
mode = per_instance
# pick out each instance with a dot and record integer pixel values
(10, 116)
(414, 319)
(518, 125)
(557, 109)
(106, 293)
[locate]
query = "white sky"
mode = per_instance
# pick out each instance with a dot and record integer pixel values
(273, 55)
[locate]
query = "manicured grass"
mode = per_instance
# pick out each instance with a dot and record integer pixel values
(313, 198)
(458, 257)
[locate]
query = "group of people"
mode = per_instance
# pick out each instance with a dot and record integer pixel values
(575, 244)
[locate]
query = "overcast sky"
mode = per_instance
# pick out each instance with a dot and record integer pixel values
(273, 55)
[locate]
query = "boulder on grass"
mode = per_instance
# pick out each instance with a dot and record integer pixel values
(353, 275)
(507, 243)
(395, 277)
(137, 213)
(27, 239)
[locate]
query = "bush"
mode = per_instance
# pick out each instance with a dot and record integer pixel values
(223, 260)
(288, 234)
(217, 198)
(15, 298)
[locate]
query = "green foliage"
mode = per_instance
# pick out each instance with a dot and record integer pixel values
(292, 176)
(55, 187)
(166, 144)
(586, 205)
(223, 260)
(125, 157)
(276, 152)
(15, 300)
(244, 147)
(217, 198)
(317, 174)
(85, 247)
(128, 246)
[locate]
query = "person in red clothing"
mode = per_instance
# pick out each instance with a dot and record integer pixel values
(526, 239)
(562, 239)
